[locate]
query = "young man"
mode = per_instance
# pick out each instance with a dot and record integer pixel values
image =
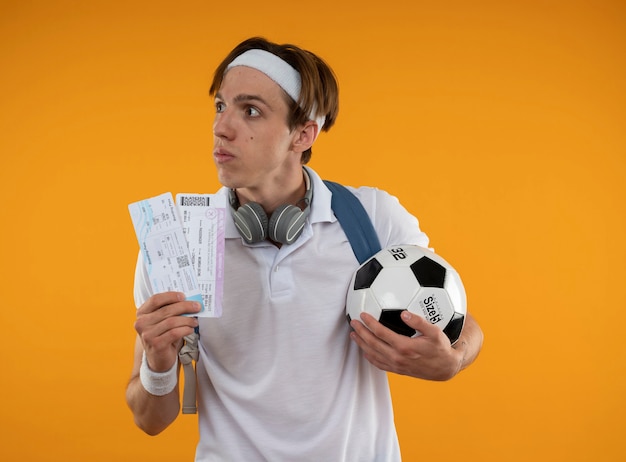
(281, 374)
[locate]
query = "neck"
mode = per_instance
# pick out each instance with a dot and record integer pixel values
(275, 195)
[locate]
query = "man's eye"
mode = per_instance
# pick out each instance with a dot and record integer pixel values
(219, 106)
(253, 112)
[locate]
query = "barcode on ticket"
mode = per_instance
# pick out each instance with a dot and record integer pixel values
(183, 261)
(199, 201)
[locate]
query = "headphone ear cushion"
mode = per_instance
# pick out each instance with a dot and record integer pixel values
(286, 224)
(251, 221)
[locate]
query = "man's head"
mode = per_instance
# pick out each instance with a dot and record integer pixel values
(314, 97)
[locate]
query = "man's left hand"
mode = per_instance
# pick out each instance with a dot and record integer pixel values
(429, 356)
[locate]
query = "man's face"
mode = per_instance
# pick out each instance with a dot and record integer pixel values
(252, 141)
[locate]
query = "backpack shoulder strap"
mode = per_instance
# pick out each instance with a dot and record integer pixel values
(354, 221)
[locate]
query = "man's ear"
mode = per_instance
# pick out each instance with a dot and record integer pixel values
(305, 136)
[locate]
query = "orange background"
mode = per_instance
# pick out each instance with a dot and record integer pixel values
(501, 125)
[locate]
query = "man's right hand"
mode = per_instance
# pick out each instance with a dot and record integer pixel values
(161, 327)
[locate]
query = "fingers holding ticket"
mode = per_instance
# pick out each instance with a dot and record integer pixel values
(162, 323)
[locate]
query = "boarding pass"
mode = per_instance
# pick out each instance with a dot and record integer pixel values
(203, 224)
(173, 262)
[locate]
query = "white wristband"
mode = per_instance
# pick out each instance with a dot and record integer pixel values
(158, 383)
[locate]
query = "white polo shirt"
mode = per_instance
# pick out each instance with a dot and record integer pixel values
(278, 377)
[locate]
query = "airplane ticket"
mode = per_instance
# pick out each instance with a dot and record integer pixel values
(203, 224)
(164, 248)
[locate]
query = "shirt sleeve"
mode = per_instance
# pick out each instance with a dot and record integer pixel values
(142, 290)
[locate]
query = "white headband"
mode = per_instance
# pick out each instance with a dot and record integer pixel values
(280, 72)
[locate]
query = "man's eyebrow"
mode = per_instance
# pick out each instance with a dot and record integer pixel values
(244, 97)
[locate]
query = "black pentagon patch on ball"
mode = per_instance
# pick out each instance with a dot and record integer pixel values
(392, 320)
(454, 327)
(366, 275)
(429, 273)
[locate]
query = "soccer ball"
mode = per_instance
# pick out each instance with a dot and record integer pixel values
(408, 277)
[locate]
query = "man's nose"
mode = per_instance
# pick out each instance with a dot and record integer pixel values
(223, 125)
